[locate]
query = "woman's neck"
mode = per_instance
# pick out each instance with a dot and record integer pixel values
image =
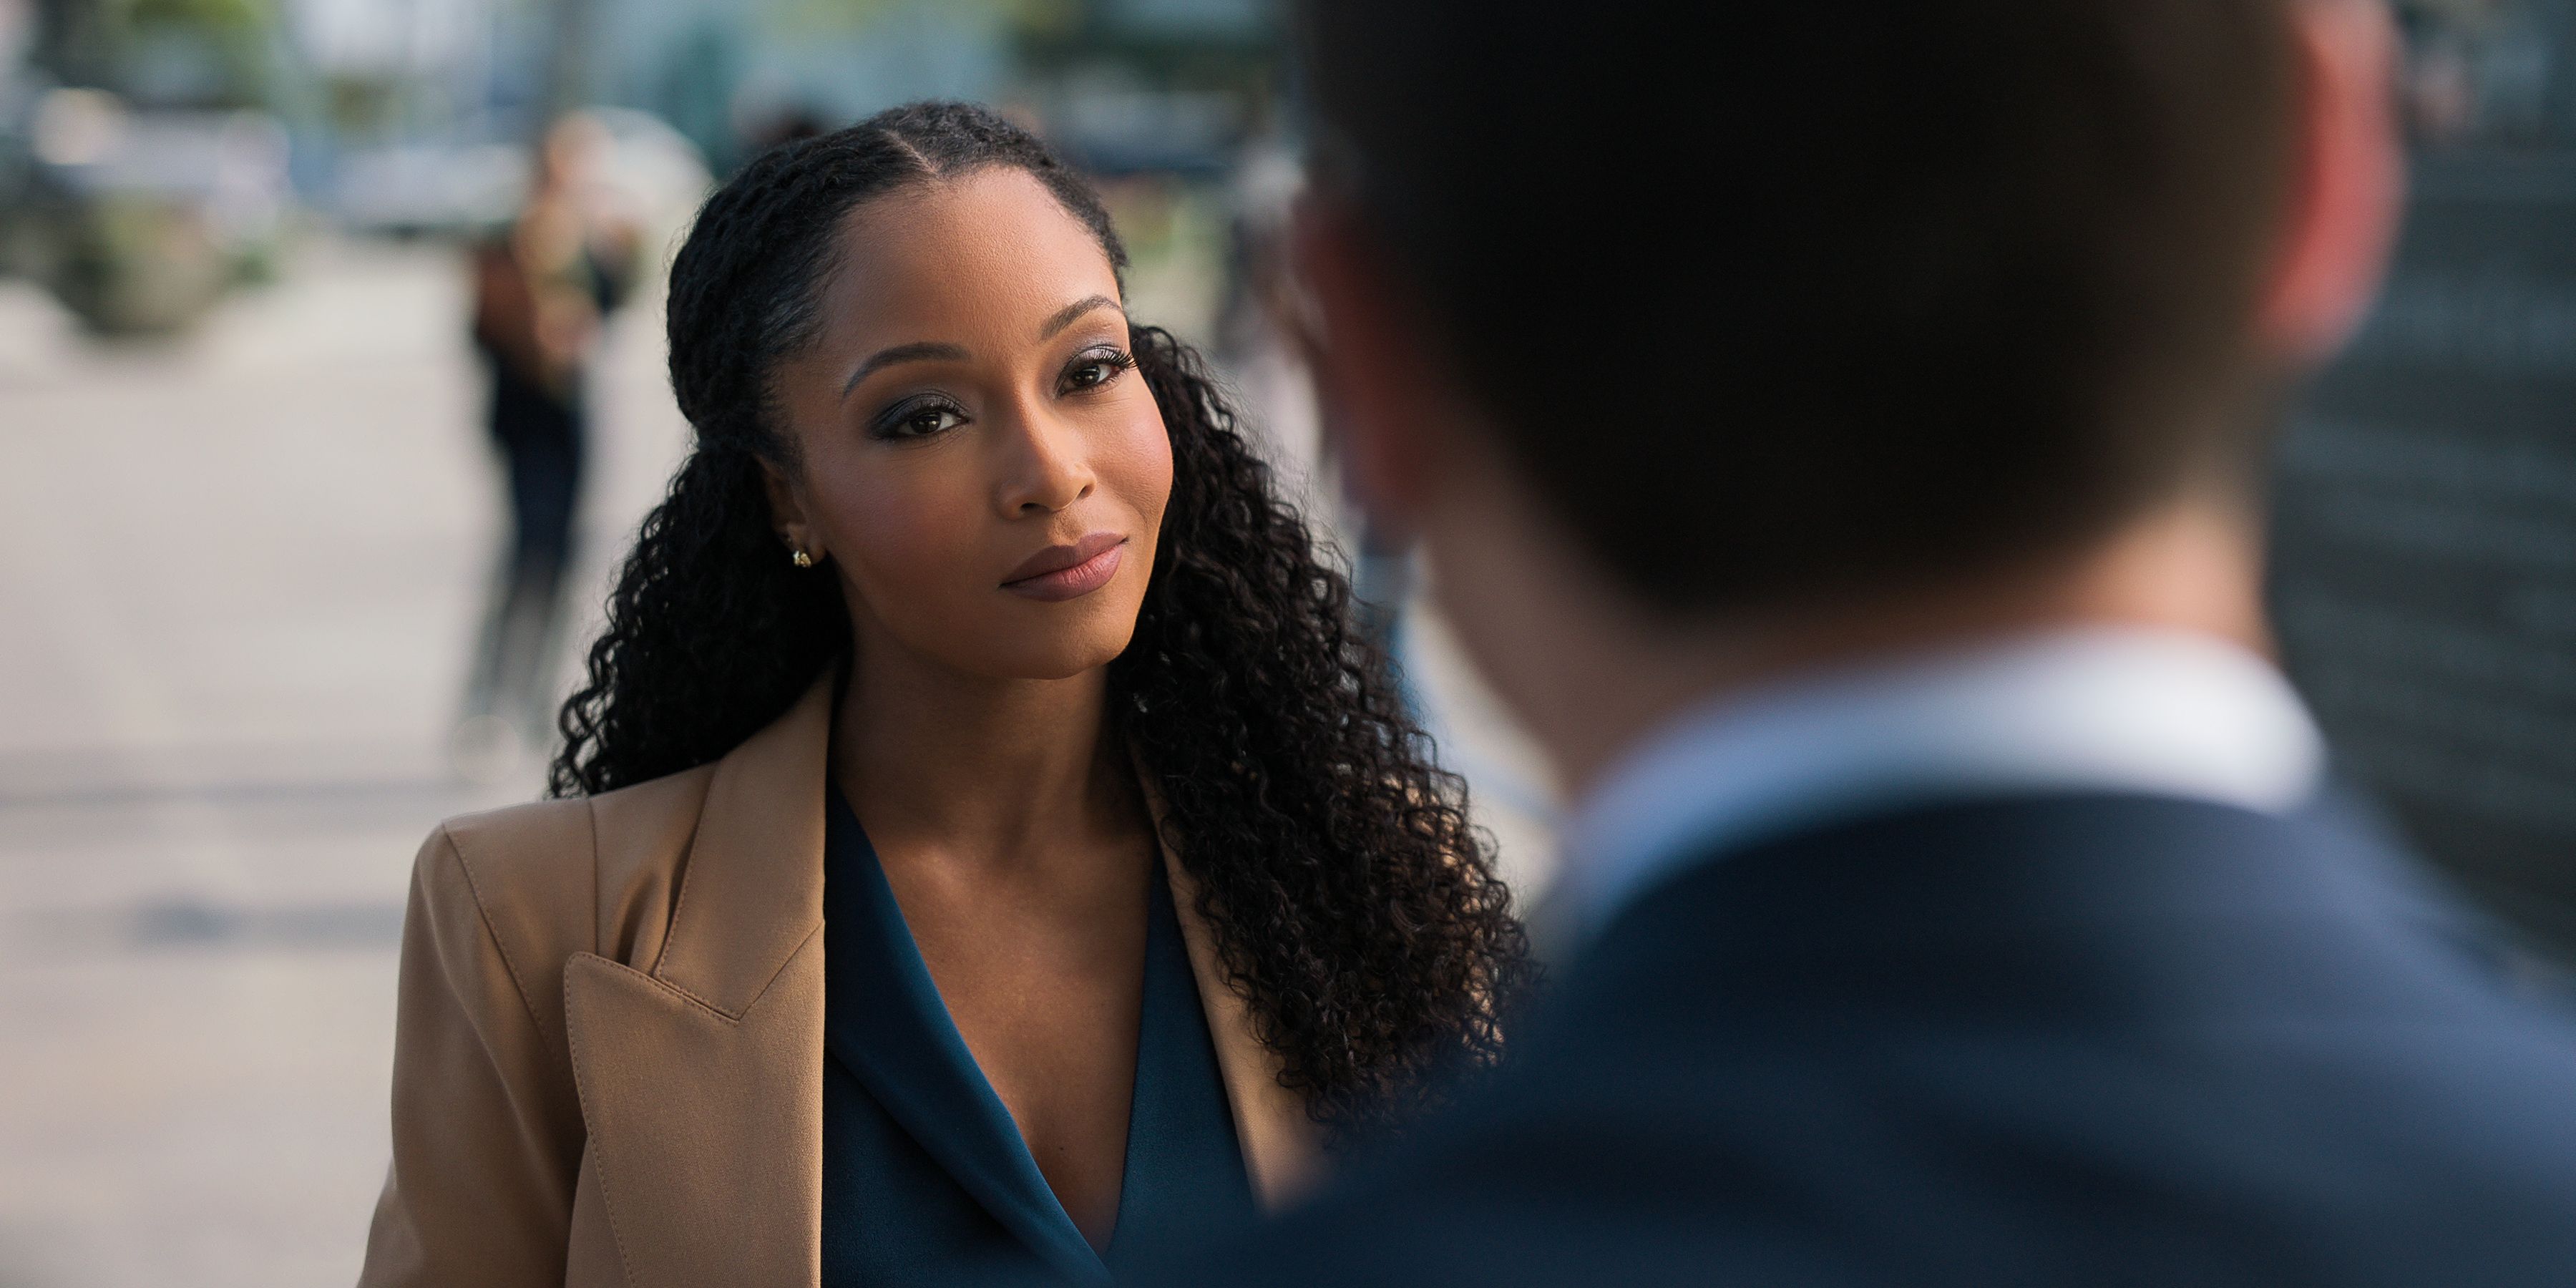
(996, 771)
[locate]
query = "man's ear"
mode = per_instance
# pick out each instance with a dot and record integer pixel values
(787, 514)
(1384, 409)
(2349, 183)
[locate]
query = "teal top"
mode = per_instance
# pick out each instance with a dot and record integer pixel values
(926, 1179)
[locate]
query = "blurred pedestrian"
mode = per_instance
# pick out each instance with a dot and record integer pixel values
(1875, 548)
(542, 288)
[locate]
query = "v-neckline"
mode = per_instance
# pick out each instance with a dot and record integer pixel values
(901, 1042)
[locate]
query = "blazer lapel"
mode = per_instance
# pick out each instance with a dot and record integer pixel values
(701, 1079)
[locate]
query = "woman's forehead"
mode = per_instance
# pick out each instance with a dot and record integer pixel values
(990, 247)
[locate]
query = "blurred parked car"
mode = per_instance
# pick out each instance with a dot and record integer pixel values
(138, 220)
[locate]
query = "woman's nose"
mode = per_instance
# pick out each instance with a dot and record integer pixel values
(1048, 470)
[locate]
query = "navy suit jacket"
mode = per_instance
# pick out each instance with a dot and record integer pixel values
(2074, 1039)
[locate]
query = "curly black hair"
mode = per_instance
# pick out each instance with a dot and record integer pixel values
(1354, 907)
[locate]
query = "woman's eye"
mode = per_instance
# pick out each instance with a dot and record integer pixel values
(1094, 370)
(921, 421)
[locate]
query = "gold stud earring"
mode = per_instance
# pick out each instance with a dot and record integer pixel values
(802, 559)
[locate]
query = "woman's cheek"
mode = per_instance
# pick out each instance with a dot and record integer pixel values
(1144, 466)
(911, 543)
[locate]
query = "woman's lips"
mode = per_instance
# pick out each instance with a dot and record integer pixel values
(1069, 572)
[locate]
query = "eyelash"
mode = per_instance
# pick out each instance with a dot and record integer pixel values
(1119, 362)
(890, 424)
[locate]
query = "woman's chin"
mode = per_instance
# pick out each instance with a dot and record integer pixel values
(1060, 641)
(1055, 659)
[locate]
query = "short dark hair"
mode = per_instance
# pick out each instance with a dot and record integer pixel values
(1778, 300)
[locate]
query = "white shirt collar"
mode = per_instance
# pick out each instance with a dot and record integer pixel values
(2106, 709)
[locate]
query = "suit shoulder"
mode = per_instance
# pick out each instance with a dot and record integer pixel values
(520, 874)
(578, 874)
(540, 843)
(518, 836)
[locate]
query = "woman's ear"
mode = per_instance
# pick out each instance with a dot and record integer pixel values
(787, 515)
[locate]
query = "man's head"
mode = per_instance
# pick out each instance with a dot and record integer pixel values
(1809, 303)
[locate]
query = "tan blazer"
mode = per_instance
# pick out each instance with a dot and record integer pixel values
(608, 1060)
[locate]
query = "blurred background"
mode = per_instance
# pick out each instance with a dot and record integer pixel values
(2425, 512)
(279, 577)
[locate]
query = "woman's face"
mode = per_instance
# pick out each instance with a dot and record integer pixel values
(980, 461)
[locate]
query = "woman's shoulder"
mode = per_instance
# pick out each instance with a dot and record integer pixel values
(563, 875)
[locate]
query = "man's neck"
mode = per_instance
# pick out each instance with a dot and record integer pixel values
(2193, 568)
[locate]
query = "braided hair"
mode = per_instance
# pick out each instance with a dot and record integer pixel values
(1353, 907)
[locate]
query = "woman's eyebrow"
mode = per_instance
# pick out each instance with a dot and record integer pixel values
(1063, 317)
(918, 351)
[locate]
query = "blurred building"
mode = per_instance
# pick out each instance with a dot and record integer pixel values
(2425, 526)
